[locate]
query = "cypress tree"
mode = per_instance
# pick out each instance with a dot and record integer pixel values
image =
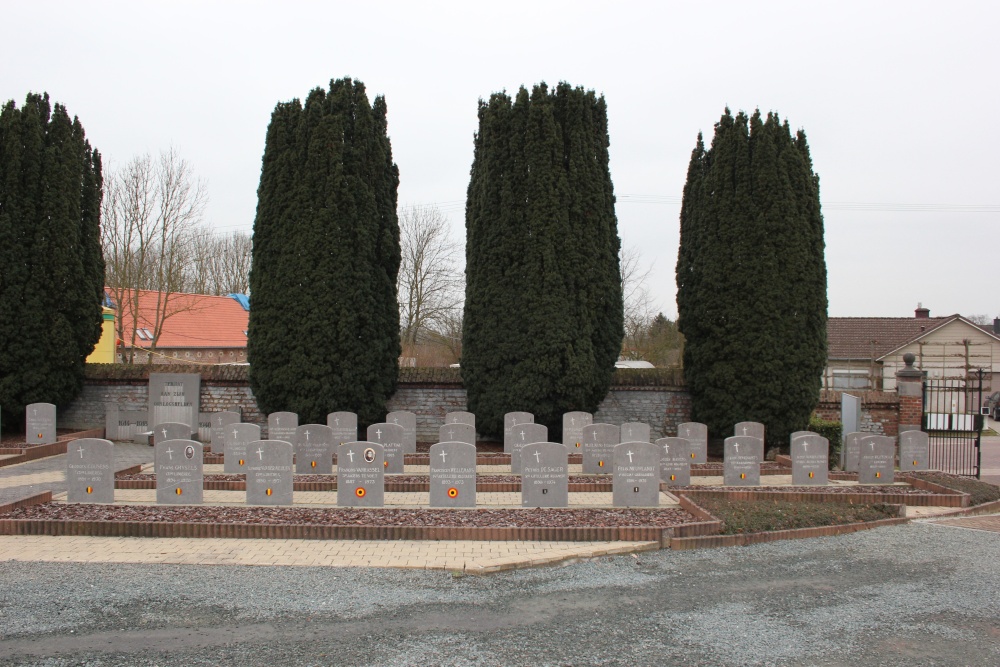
(51, 266)
(324, 321)
(751, 278)
(543, 319)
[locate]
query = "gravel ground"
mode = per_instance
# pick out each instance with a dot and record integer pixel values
(912, 594)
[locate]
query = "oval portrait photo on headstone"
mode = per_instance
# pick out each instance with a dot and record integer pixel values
(369, 455)
(189, 452)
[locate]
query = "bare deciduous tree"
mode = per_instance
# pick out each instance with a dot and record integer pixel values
(220, 264)
(639, 306)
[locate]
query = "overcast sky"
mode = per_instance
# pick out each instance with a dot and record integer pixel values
(896, 99)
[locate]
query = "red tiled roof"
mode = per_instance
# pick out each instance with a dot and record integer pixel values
(874, 337)
(193, 321)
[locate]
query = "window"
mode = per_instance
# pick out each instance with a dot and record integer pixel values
(144, 334)
(851, 380)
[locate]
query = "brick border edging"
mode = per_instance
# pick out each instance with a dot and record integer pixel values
(53, 449)
(939, 500)
(710, 541)
(991, 507)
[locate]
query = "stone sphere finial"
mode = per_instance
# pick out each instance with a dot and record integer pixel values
(909, 358)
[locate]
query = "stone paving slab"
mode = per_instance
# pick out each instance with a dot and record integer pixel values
(990, 522)
(924, 512)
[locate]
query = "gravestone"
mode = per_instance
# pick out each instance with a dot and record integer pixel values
(754, 429)
(179, 471)
(914, 451)
(457, 432)
(408, 421)
(877, 460)
(544, 475)
(314, 448)
(453, 474)
(852, 449)
(175, 398)
(696, 434)
(743, 454)
(390, 436)
(510, 420)
(573, 423)
(634, 432)
(524, 435)
(204, 429)
(799, 434)
(269, 473)
(236, 446)
(282, 426)
(675, 461)
(599, 442)
(344, 426)
(360, 475)
(460, 418)
(636, 481)
(122, 424)
(90, 471)
(40, 424)
(810, 460)
(171, 431)
(220, 420)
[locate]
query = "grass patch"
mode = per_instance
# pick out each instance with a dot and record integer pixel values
(757, 516)
(981, 492)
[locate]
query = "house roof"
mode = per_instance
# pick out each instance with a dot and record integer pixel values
(874, 337)
(193, 320)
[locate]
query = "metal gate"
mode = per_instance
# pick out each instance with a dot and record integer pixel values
(953, 423)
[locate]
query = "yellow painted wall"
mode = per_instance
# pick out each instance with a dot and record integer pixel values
(104, 351)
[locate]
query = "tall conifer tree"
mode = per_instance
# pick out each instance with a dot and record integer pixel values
(543, 318)
(324, 321)
(751, 278)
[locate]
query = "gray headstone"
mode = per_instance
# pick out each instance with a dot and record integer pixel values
(314, 448)
(545, 475)
(914, 451)
(282, 426)
(204, 429)
(695, 433)
(171, 431)
(810, 460)
(460, 418)
(344, 426)
(175, 398)
(675, 461)
(877, 460)
(799, 434)
(90, 471)
(453, 475)
(40, 424)
(360, 475)
(179, 467)
(124, 425)
(636, 481)
(852, 449)
(634, 432)
(755, 429)
(522, 436)
(236, 446)
(573, 423)
(220, 420)
(390, 436)
(743, 454)
(599, 442)
(457, 432)
(269, 473)
(510, 420)
(408, 421)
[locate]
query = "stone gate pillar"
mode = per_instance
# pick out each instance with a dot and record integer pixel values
(910, 389)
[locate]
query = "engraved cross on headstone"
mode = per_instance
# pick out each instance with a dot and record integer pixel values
(350, 455)
(81, 452)
(630, 453)
(538, 457)
(260, 453)
(444, 455)
(170, 453)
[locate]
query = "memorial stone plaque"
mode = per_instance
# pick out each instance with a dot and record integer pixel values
(314, 448)
(524, 435)
(877, 460)
(810, 460)
(460, 418)
(205, 426)
(675, 461)
(634, 432)
(914, 451)
(636, 481)
(269, 473)
(124, 425)
(90, 471)
(390, 436)
(599, 442)
(573, 423)
(236, 446)
(695, 433)
(282, 426)
(408, 421)
(755, 429)
(175, 398)
(852, 448)
(220, 420)
(40, 424)
(179, 471)
(510, 420)
(545, 475)
(457, 432)
(360, 475)
(743, 454)
(171, 431)
(344, 426)
(453, 474)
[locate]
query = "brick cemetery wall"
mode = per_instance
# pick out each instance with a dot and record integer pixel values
(880, 410)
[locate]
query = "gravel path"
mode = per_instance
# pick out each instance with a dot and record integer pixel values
(913, 594)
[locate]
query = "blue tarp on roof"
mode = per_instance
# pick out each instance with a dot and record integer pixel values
(243, 300)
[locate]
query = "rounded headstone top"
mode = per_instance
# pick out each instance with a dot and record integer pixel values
(909, 358)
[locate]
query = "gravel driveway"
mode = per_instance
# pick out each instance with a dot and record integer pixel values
(915, 594)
